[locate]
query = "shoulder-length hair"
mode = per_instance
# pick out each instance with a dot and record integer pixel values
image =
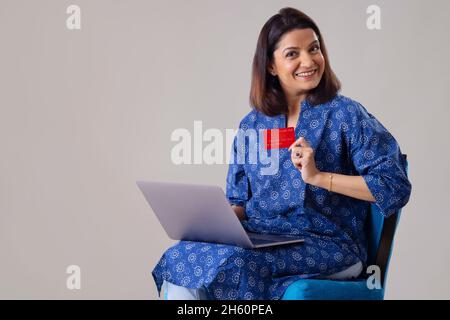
(266, 94)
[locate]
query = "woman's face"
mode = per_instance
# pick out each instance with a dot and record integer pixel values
(297, 52)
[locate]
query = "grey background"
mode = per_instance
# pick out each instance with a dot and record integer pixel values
(85, 113)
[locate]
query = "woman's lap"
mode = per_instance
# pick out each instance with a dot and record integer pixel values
(230, 272)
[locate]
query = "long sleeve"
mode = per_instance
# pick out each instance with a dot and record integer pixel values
(377, 157)
(238, 187)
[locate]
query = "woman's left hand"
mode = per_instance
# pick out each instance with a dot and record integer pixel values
(302, 156)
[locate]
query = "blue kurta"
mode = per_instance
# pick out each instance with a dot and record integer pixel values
(347, 140)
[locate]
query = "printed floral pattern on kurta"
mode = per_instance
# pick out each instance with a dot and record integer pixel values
(346, 140)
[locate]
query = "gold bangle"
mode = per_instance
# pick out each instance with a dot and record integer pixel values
(331, 182)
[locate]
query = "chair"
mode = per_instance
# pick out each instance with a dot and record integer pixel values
(380, 235)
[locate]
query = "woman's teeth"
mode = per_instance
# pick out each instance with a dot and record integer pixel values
(305, 74)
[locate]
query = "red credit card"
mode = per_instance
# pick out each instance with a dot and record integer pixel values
(279, 138)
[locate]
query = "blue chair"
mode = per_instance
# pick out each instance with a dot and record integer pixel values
(380, 235)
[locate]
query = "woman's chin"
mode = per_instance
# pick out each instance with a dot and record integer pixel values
(309, 86)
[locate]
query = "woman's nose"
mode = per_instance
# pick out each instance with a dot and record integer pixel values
(306, 61)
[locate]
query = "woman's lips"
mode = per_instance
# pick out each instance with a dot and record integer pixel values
(307, 77)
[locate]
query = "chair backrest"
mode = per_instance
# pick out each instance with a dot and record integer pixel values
(380, 233)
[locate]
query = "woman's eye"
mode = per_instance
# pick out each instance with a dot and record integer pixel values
(289, 53)
(313, 49)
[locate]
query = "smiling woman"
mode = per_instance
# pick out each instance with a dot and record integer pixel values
(342, 161)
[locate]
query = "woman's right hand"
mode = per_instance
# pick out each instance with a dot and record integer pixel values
(240, 212)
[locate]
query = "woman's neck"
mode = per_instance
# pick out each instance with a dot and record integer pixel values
(294, 104)
(294, 109)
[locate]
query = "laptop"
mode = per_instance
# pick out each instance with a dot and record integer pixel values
(202, 213)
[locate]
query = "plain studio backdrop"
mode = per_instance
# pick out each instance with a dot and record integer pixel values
(85, 113)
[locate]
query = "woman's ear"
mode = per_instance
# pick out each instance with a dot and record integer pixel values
(272, 71)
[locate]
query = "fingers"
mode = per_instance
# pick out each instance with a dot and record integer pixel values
(297, 163)
(296, 152)
(304, 143)
(301, 153)
(295, 144)
(300, 142)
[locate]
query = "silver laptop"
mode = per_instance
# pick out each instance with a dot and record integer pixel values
(202, 213)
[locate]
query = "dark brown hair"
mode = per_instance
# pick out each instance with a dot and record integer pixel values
(266, 94)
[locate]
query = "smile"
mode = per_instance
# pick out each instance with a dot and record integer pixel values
(306, 74)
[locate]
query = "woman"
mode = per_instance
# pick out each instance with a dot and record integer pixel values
(343, 160)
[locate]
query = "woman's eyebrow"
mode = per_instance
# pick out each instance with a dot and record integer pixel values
(297, 47)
